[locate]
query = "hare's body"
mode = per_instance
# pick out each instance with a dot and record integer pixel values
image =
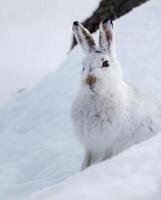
(107, 124)
(110, 115)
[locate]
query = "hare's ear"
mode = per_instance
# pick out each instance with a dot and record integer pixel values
(83, 37)
(106, 34)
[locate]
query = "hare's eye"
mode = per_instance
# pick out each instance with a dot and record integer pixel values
(105, 63)
(83, 68)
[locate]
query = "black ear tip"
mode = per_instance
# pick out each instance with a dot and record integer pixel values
(107, 19)
(75, 23)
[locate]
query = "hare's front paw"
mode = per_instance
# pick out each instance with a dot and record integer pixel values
(86, 161)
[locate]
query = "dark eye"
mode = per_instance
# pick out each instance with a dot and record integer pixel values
(105, 63)
(83, 68)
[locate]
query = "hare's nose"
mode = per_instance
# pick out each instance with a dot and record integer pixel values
(90, 80)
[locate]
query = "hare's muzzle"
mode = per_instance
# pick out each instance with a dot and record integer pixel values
(90, 80)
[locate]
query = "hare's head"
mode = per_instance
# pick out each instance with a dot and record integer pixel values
(99, 67)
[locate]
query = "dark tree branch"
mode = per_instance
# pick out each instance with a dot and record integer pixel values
(108, 8)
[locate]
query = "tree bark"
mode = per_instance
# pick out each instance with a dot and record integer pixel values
(108, 8)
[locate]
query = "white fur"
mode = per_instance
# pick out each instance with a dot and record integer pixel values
(113, 115)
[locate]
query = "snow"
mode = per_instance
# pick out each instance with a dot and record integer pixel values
(38, 147)
(132, 175)
(35, 37)
(33, 148)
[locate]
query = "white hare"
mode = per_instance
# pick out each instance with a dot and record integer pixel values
(109, 115)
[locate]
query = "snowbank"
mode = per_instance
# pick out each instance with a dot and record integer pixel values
(35, 37)
(134, 174)
(37, 141)
(37, 145)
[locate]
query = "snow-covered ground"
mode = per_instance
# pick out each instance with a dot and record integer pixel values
(133, 175)
(37, 145)
(34, 39)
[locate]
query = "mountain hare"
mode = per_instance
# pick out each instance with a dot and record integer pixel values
(109, 115)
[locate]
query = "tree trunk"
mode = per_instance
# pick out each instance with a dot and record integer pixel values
(108, 8)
